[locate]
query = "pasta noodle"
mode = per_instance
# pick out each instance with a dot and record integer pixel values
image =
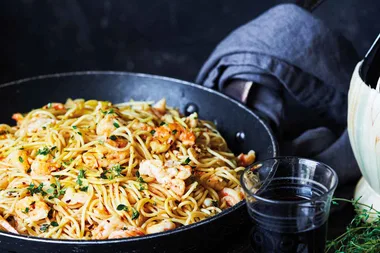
(96, 170)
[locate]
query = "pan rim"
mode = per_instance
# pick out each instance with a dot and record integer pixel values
(143, 75)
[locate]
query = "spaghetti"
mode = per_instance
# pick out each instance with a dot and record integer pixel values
(94, 170)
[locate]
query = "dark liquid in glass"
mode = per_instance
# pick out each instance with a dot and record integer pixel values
(309, 240)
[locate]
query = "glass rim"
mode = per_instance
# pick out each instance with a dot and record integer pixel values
(271, 201)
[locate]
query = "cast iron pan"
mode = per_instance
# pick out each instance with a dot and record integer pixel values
(242, 129)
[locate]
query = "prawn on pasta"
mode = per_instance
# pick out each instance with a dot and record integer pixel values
(92, 170)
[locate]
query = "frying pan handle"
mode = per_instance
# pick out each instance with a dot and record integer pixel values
(241, 91)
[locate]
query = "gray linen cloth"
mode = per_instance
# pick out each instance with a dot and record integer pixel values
(295, 72)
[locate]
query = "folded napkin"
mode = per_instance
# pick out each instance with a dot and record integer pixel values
(295, 72)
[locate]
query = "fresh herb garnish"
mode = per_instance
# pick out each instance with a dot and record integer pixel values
(117, 169)
(20, 159)
(187, 161)
(43, 151)
(44, 227)
(214, 203)
(141, 187)
(122, 207)
(152, 132)
(104, 174)
(84, 188)
(108, 112)
(113, 137)
(75, 127)
(174, 131)
(360, 235)
(79, 133)
(115, 124)
(139, 178)
(68, 162)
(34, 190)
(50, 191)
(135, 214)
(81, 175)
(26, 210)
(54, 224)
(162, 123)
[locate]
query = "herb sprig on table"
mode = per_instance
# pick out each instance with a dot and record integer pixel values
(361, 235)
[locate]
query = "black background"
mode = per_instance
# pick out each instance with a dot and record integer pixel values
(165, 37)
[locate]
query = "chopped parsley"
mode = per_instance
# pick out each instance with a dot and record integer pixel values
(84, 188)
(44, 227)
(50, 191)
(22, 148)
(26, 210)
(108, 112)
(35, 190)
(113, 137)
(117, 169)
(55, 191)
(115, 124)
(80, 176)
(43, 151)
(174, 131)
(122, 207)
(104, 174)
(54, 224)
(162, 123)
(44, 127)
(214, 203)
(75, 127)
(141, 187)
(53, 148)
(79, 133)
(20, 159)
(139, 178)
(69, 162)
(135, 214)
(187, 161)
(152, 132)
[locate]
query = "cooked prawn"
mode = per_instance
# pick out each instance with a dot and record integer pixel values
(6, 226)
(73, 198)
(231, 196)
(18, 159)
(127, 231)
(216, 182)
(106, 227)
(160, 227)
(106, 125)
(42, 166)
(31, 209)
(171, 177)
(246, 159)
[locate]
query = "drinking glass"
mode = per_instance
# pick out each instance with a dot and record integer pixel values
(288, 200)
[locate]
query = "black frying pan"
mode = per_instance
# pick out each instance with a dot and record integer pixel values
(242, 129)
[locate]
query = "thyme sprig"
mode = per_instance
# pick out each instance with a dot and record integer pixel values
(362, 235)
